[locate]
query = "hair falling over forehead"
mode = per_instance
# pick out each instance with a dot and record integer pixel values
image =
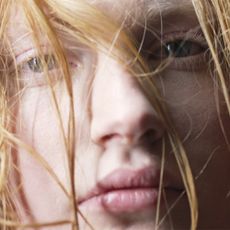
(94, 29)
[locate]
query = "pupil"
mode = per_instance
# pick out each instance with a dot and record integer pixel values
(35, 64)
(178, 49)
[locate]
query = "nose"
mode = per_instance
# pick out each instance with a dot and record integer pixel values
(120, 110)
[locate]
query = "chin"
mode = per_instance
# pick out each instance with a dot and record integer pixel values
(144, 220)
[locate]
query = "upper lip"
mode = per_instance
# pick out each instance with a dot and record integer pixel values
(119, 179)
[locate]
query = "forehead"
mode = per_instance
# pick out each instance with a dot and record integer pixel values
(137, 12)
(138, 9)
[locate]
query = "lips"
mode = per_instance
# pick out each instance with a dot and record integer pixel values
(124, 190)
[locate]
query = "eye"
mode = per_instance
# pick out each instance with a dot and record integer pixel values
(182, 51)
(179, 49)
(37, 65)
(32, 70)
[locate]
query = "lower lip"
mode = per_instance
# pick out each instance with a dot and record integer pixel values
(125, 200)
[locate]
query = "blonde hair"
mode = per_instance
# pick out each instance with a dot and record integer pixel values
(78, 19)
(215, 22)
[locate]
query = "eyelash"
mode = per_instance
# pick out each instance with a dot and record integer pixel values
(187, 63)
(35, 63)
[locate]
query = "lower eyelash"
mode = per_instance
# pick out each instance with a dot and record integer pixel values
(192, 63)
(188, 64)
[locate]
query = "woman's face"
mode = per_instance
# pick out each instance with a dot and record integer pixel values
(119, 134)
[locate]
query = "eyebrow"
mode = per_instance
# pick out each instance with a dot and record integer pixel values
(171, 11)
(164, 15)
(169, 6)
(152, 9)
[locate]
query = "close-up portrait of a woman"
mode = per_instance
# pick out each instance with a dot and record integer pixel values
(114, 115)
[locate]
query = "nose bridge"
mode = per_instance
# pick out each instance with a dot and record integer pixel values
(119, 107)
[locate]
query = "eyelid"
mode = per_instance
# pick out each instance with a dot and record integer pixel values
(191, 35)
(195, 37)
(30, 53)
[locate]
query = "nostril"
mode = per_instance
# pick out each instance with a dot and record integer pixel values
(151, 135)
(136, 129)
(106, 138)
(148, 137)
(111, 138)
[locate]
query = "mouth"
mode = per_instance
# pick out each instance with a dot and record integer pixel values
(124, 190)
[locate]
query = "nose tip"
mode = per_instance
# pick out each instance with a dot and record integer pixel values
(128, 129)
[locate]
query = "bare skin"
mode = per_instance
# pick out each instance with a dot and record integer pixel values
(116, 135)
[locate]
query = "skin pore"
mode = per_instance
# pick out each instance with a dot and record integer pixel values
(118, 130)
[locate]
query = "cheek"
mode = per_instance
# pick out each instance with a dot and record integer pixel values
(192, 105)
(38, 126)
(190, 101)
(44, 175)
